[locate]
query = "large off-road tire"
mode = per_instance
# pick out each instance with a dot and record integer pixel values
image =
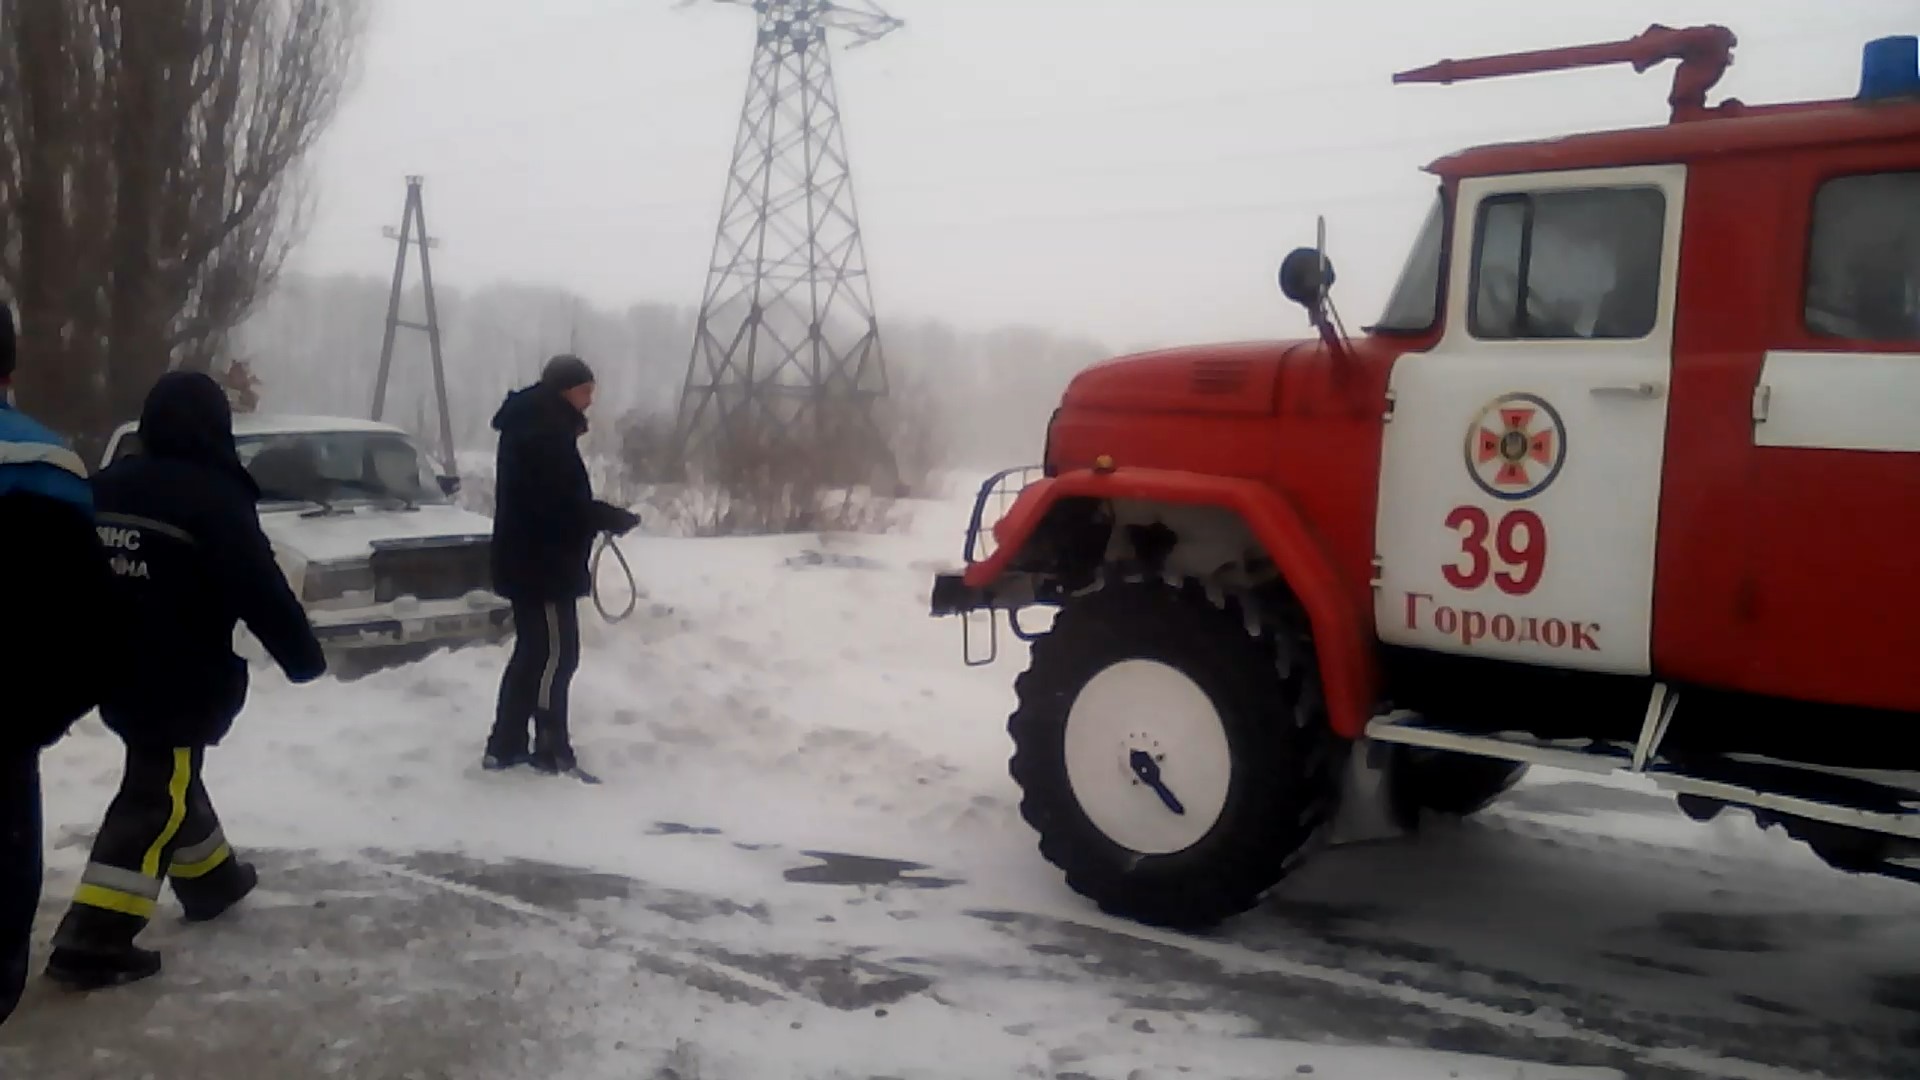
(1448, 784)
(1228, 713)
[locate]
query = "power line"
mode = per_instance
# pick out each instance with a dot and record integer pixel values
(547, 115)
(517, 42)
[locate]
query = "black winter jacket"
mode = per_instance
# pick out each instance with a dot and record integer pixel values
(54, 653)
(545, 516)
(189, 561)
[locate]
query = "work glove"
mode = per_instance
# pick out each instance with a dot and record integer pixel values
(621, 522)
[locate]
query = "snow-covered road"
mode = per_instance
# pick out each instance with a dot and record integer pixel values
(805, 861)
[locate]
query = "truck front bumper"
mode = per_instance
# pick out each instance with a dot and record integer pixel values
(953, 596)
(450, 622)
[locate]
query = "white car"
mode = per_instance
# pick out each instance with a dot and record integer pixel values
(367, 535)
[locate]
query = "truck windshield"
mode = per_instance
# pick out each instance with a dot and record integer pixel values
(332, 468)
(1415, 303)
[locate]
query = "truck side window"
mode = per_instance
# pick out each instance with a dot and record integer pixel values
(1580, 264)
(1863, 271)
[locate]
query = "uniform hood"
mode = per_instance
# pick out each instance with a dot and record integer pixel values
(535, 406)
(187, 418)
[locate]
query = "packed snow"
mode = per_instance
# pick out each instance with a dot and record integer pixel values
(806, 860)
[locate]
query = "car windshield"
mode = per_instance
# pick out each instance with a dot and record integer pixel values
(333, 468)
(1415, 303)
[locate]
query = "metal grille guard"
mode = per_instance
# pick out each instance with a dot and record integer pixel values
(951, 593)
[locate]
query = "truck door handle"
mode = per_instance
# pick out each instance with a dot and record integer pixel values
(1641, 391)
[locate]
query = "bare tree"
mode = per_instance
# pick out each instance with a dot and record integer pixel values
(150, 154)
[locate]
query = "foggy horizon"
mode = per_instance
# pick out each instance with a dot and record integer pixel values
(1133, 177)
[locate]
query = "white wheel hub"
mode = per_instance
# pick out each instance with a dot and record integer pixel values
(1147, 757)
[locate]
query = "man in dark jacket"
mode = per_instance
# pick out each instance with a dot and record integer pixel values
(189, 560)
(56, 595)
(545, 520)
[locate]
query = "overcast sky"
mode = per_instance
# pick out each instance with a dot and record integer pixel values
(1129, 169)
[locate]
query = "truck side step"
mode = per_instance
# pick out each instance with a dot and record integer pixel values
(1815, 793)
(1583, 755)
(1878, 801)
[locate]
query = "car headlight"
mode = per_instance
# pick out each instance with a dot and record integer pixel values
(333, 581)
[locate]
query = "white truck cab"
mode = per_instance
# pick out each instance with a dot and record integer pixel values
(366, 534)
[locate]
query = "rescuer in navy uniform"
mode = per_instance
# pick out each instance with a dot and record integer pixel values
(188, 560)
(545, 518)
(56, 593)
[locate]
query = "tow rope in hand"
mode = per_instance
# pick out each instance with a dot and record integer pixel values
(593, 571)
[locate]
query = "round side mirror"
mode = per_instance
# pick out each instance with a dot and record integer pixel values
(1300, 277)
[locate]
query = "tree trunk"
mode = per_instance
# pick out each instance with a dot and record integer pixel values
(137, 351)
(58, 368)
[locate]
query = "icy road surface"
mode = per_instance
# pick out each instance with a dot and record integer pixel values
(806, 861)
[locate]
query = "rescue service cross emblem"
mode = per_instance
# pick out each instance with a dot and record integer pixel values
(1515, 447)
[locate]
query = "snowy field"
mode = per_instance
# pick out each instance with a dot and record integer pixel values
(806, 861)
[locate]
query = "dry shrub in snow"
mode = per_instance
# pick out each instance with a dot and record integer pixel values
(759, 481)
(911, 423)
(696, 509)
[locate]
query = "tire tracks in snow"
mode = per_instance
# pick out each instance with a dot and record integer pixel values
(659, 955)
(1235, 959)
(1354, 966)
(1388, 967)
(844, 982)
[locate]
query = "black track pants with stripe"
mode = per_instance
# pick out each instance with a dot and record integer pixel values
(546, 651)
(19, 870)
(160, 828)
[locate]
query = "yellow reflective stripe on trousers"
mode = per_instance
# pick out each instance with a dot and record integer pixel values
(114, 900)
(189, 871)
(189, 854)
(114, 879)
(177, 791)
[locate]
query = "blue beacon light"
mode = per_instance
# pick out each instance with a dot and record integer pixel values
(1890, 68)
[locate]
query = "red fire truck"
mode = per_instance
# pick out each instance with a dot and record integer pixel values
(1625, 477)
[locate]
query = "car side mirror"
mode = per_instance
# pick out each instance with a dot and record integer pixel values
(450, 485)
(1306, 277)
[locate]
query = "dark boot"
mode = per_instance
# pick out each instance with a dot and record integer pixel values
(218, 900)
(99, 968)
(497, 760)
(553, 760)
(552, 747)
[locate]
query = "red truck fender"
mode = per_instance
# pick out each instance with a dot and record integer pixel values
(1342, 633)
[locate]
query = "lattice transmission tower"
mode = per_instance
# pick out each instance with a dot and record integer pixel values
(786, 354)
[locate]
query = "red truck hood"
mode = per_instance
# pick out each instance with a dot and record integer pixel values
(1223, 379)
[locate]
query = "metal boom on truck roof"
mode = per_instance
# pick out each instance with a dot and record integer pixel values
(1704, 53)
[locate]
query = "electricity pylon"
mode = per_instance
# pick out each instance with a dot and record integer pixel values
(786, 353)
(412, 232)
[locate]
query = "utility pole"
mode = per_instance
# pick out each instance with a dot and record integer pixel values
(787, 348)
(413, 233)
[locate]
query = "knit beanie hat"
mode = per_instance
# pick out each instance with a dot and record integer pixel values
(566, 371)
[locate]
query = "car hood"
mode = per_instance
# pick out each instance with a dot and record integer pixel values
(351, 532)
